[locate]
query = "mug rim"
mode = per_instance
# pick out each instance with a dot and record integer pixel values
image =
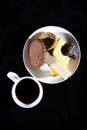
(35, 102)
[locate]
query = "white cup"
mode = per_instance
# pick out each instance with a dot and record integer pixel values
(27, 91)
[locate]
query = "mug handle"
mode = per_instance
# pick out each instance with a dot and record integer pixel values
(13, 76)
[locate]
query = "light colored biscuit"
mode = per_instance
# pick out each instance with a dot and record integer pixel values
(64, 60)
(53, 72)
(57, 66)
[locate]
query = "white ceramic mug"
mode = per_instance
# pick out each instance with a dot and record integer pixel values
(27, 91)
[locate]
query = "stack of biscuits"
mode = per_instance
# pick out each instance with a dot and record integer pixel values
(46, 47)
(54, 46)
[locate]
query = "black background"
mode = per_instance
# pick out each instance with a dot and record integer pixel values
(64, 104)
